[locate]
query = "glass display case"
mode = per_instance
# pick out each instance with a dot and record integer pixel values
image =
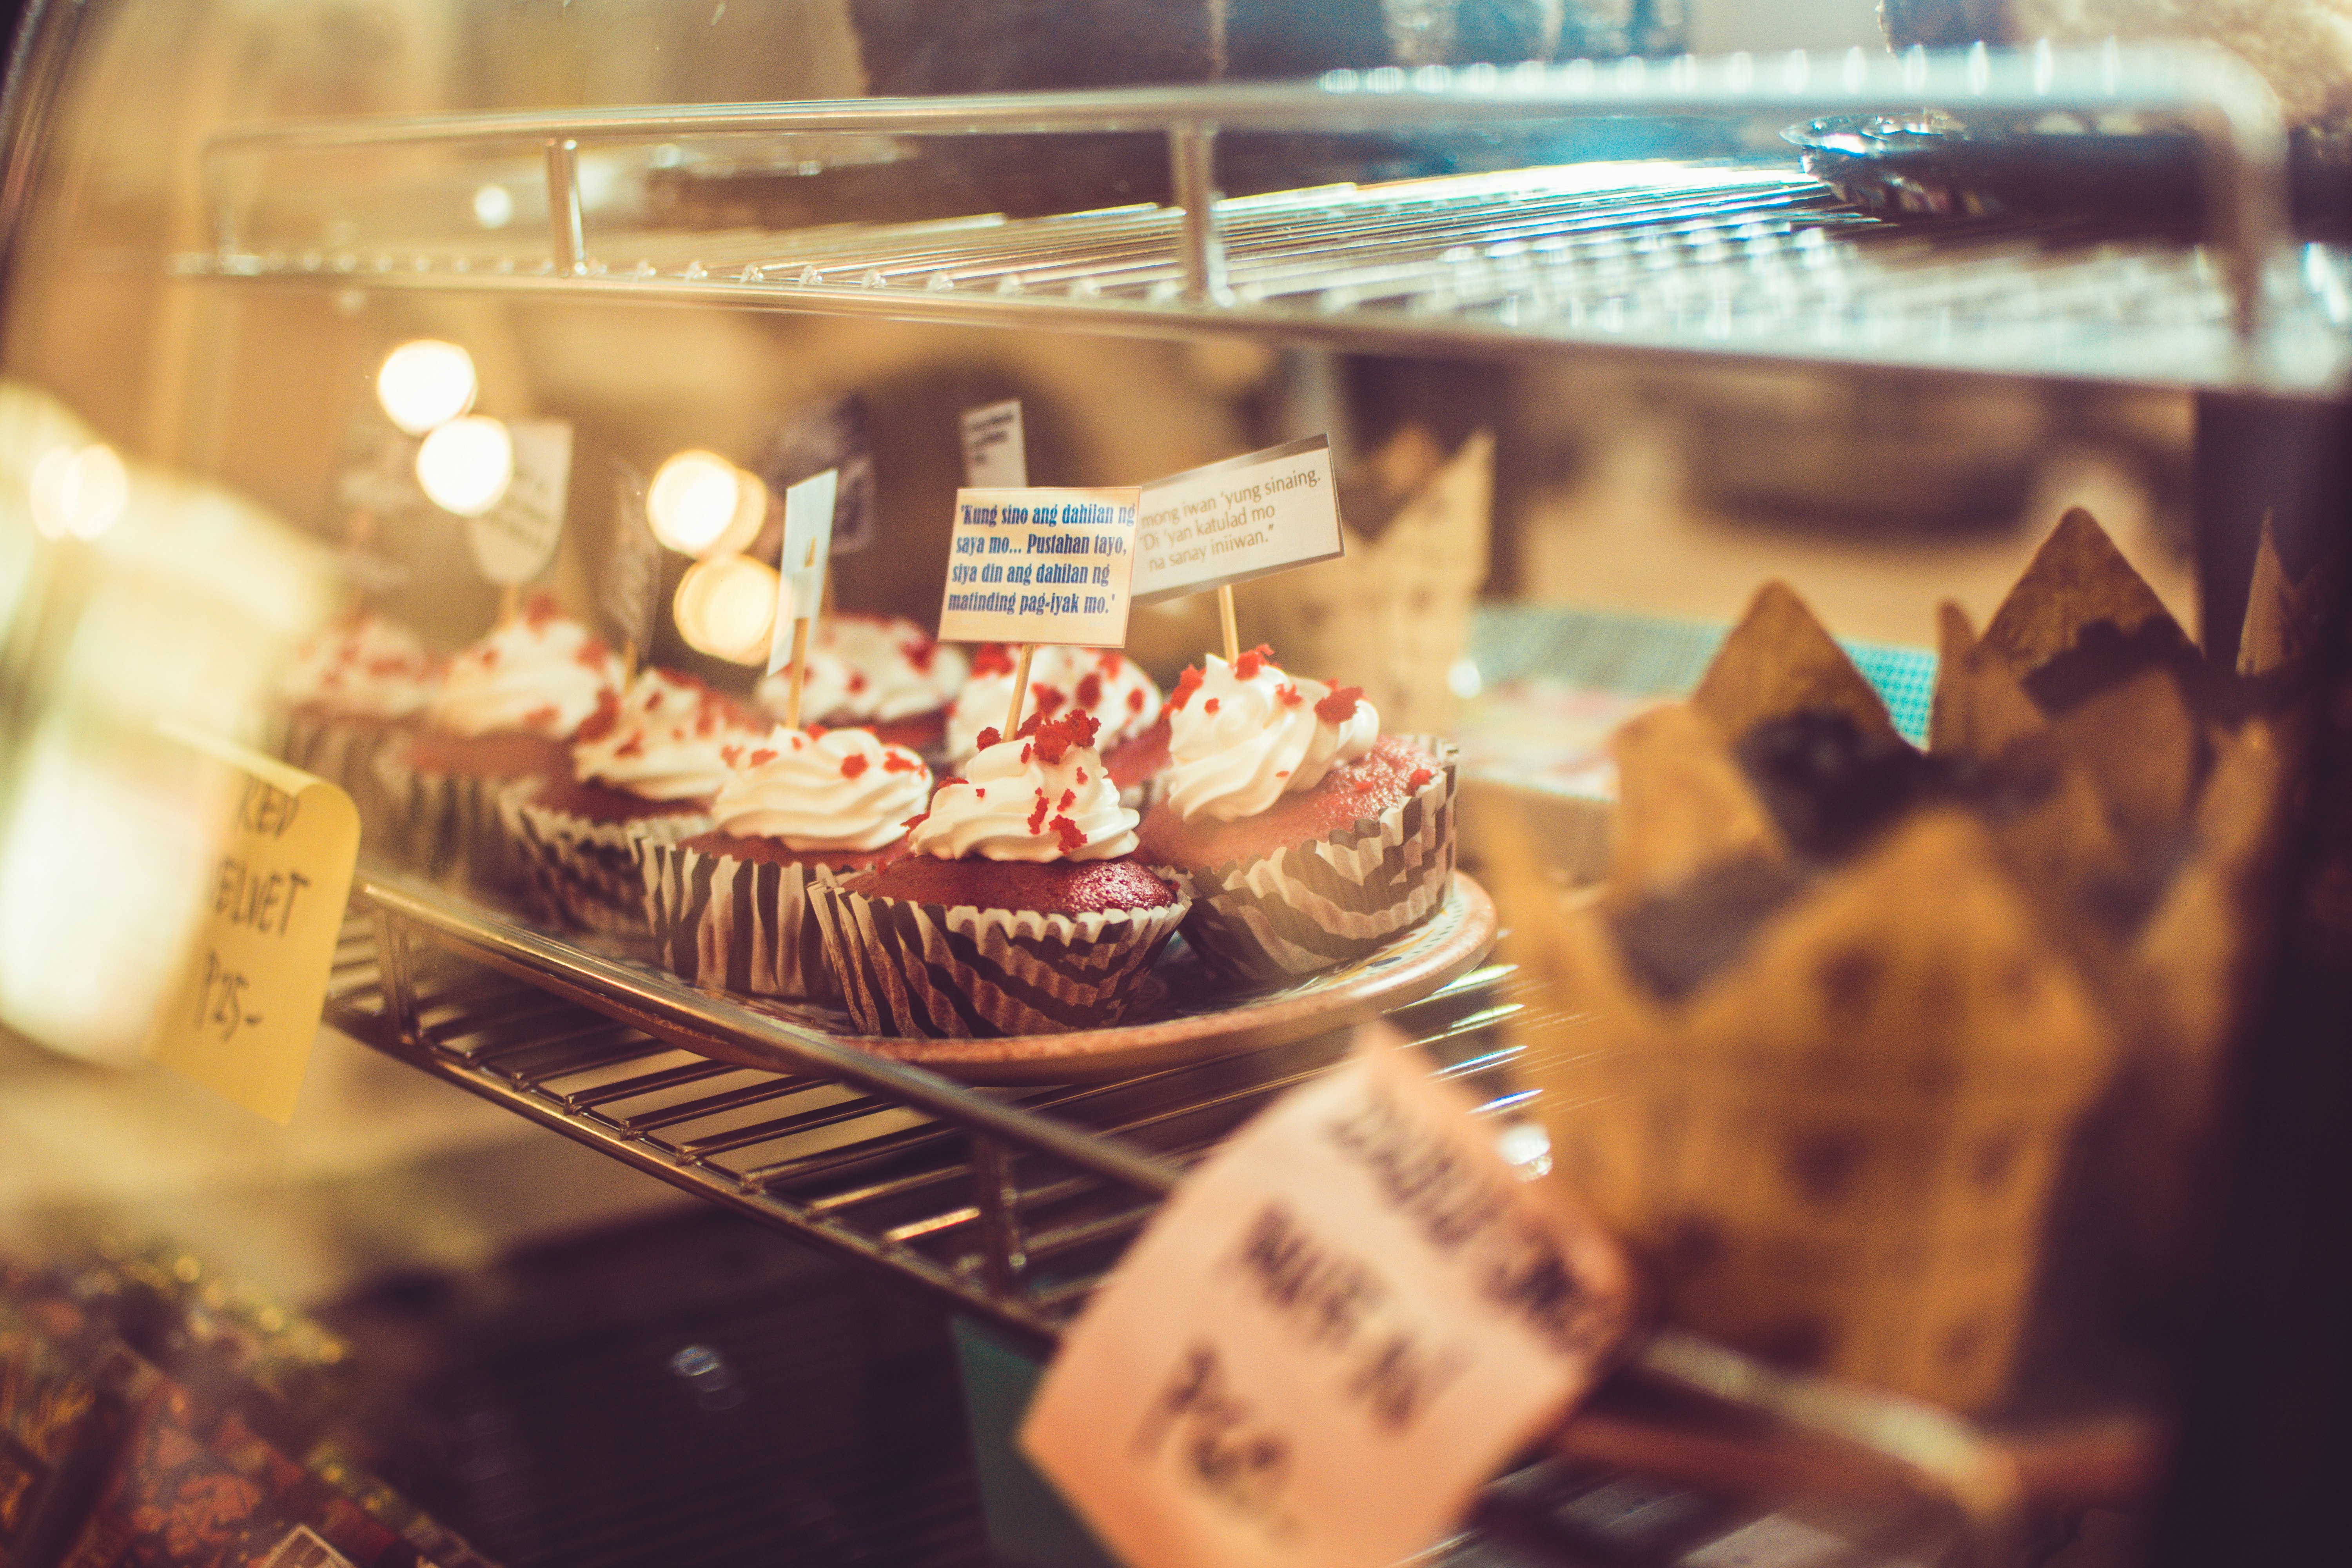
(1546, 313)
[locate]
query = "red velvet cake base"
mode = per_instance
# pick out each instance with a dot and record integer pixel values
(1055, 887)
(1380, 781)
(501, 754)
(601, 802)
(776, 852)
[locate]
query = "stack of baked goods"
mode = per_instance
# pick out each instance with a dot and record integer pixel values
(1849, 1022)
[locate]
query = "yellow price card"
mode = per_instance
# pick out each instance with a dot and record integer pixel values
(244, 1016)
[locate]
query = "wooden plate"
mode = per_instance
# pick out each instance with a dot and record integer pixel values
(1194, 1021)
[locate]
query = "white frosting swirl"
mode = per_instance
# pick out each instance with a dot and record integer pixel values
(540, 673)
(864, 669)
(1235, 746)
(664, 740)
(1017, 805)
(363, 666)
(840, 790)
(1102, 681)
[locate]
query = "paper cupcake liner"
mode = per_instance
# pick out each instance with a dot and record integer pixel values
(584, 873)
(738, 925)
(962, 973)
(450, 821)
(1331, 901)
(345, 754)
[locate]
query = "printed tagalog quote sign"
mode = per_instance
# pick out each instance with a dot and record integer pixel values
(1243, 517)
(1330, 1335)
(247, 1009)
(995, 451)
(1040, 565)
(513, 541)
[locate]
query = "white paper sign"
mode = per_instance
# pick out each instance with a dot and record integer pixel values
(995, 452)
(514, 540)
(1236, 520)
(1333, 1333)
(1040, 565)
(800, 569)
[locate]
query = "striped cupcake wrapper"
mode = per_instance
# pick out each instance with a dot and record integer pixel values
(736, 925)
(345, 754)
(1283, 916)
(584, 873)
(452, 829)
(962, 973)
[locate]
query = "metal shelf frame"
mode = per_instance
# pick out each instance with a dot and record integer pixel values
(1014, 1203)
(2239, 313)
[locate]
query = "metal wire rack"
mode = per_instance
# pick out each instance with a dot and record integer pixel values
(1012, 1203)
(1745, 259)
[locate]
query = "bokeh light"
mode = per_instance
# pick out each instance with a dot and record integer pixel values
(426, 384)
(700, 504)
(726, 606)
(79, 492)
(466, 465)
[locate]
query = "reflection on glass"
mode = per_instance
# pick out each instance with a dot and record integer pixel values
(79, 493)
(701, 504)
(466, 465)
(726, 607)
(426, 382)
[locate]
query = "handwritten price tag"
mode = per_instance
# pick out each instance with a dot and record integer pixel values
(513, 541)
(1040, 565)
(1333, 1333)
(1243, 517)
(274, 908)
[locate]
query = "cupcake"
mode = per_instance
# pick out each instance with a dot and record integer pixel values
(1304, 836)
(1019, 907)
(355, 686)
(729, 906)
(508, 711)
(646, 765)
(881, 673)
(1102, 683)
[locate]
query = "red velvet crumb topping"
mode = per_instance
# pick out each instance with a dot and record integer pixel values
(1073, 838)
(898, 762)
(1135, 700)
(607, 716)
(1420, 777)
(1212, 705)
(1289, 695)
(1090, 691)
(1186, 684)
(992, 736)
(1249, 664)
(1047, 698)
(1340, 706)
(1053, 738)
(763, 756)
(854, 764)
(992, 658)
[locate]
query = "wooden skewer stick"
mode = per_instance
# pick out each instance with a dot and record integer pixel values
(800, 672)
(1020, 690)
(800, 645)
(1225, 614)
(628, 662)
(509, 603)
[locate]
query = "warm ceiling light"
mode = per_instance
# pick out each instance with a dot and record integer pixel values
(466, 465)
(700, 504)
(426, 384)
(726, 607)
(79, 492)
